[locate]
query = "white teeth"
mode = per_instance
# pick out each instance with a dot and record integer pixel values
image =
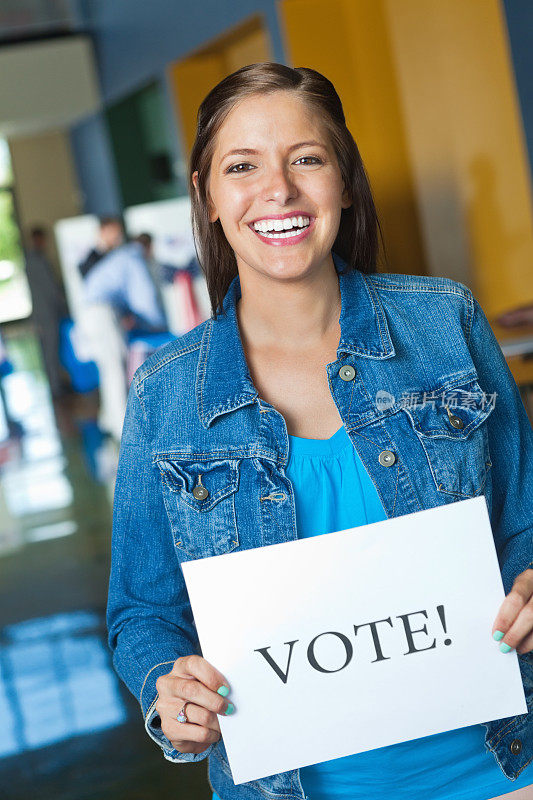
(280, 234)
(266, 225)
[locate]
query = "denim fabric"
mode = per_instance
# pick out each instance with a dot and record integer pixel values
(193, 410)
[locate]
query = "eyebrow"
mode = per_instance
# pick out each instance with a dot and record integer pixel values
(248, 151)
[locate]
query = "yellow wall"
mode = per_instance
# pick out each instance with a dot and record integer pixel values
(348, 41)
(468, 150)
(192, 77)
(429, 96)
(45, 181)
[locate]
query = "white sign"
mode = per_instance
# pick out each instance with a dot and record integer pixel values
(75, 236)
(357, 639)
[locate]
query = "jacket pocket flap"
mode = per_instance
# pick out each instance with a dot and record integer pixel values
(451, 413)
(219, 478)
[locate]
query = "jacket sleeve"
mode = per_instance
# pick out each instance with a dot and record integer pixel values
(511, 450)
(149, 617)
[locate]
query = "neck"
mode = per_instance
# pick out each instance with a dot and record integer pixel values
(289, 315)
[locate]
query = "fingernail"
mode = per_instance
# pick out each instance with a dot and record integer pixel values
(497, 636)
(224, 690)
(505, 648)
(230, 709)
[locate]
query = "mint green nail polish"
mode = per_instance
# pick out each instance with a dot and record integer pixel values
(505, 648)
(230, 709)
(497, 636)
(223, 690)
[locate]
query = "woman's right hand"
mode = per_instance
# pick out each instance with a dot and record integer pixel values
(194, 681)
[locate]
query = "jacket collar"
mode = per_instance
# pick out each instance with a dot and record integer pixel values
(223, 381)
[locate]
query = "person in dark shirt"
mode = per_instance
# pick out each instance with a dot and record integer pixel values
(48, 305)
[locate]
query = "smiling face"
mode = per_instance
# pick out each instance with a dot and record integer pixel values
(279, 198)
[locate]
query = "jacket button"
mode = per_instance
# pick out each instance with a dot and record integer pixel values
(456, 421)
(200, 492)
(347, 373)
(386, 458)
(515, 747)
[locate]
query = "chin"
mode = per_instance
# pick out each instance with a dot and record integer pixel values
(286, 271)
(279, 266)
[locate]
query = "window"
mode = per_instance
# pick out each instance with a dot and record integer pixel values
(56, 681)
(15, 300)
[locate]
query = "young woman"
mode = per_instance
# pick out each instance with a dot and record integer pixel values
(267, 423)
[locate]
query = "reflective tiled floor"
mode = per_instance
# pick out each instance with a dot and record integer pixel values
(70, 730)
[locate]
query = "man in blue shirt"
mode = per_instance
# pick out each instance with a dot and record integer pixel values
(123, 281)
(120, 296)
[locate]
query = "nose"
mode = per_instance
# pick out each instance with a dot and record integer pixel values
(278, 185)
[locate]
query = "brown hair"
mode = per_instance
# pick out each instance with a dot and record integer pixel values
(357, 238)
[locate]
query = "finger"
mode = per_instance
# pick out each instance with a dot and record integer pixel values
(177, 691)
(194, 666)
(193, 691)
(521, 627)
(526, 646)
(188, 732)
(195, 714)
(514, 603)
(188, 747)
(201, 716)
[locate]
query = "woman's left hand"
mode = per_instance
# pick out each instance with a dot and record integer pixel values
(513, 625)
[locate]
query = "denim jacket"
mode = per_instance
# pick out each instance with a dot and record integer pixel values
(431, 385)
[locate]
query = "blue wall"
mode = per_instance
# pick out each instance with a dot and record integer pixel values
(95, 167)
(519, 15)
(134, 42)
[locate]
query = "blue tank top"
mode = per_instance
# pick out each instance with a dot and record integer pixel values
(333, 491)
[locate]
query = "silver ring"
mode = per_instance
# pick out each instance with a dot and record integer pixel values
(182, 716)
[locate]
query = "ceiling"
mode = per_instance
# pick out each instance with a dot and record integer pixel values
(23, 20)
(47, 72)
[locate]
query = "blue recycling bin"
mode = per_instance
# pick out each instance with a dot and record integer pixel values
(83, 374)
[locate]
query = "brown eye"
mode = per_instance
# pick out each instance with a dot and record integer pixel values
(314, 158)
(234, 170)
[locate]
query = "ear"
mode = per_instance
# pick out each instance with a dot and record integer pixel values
(195, 180)
(213, 216)
(346, 199)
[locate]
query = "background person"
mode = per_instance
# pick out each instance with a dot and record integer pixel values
(110, 236)
(120, 297)
(49, 305)
(124, 281)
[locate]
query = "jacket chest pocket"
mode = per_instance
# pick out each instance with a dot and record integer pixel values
(199, 499)
(451, 426)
